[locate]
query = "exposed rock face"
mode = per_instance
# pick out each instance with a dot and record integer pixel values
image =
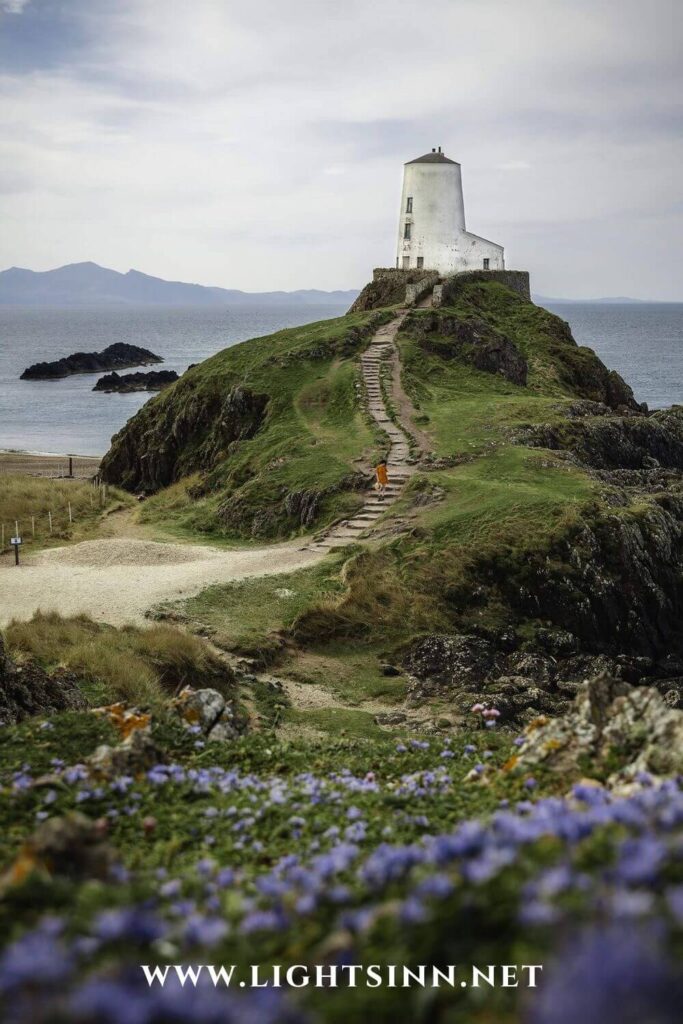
(114, 357)
(160, 445)
(604, 441)
(153, 380)
(27, 690)
(610, 719)
(301, 507)
(473, 341)
(616, 583)
(522, 682)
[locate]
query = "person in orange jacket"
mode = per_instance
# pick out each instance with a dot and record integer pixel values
(382, 477)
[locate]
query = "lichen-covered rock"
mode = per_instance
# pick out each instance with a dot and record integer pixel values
(136, 754)
(202, 708)
(451, 659)
(609, 719)
(207, 710)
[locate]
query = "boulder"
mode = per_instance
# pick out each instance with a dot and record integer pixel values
(72, 846)
(136, 754)
(609, 719)
(208, 710)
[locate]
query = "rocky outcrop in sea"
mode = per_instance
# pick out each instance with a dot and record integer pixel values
(118, 356)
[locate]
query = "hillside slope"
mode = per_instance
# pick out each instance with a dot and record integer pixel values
(263, 438)
(544, 527)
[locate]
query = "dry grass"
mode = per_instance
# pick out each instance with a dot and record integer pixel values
(139, 666)
(27, 500)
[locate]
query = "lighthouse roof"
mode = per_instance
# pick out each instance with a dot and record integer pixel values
(435, 157)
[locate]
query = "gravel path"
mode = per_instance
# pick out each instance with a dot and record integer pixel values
(116, 581)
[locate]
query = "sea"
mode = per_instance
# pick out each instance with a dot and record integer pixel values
(643, 341)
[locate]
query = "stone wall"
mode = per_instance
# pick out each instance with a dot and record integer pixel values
(418, 289)
(516, 280)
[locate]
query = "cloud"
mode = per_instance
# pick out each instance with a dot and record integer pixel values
(13, 6)
(261, 145)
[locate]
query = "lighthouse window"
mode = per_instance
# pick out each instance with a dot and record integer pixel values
(486, 263)
(406, 230)
(420, 262)
(409, 204)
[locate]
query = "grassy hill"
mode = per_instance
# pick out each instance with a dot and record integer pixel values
(251, 442)
(502, 527)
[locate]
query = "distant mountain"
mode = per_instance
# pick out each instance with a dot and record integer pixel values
(542, 300)
(87, 284)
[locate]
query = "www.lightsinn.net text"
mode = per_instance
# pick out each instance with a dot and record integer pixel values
(344, 976)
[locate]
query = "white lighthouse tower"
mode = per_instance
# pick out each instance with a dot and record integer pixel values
(431, 231)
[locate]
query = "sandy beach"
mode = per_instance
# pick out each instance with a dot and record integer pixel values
(48, 465)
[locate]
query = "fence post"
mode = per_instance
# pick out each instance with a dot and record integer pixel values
(33, 527)
(49, 517)
(71, 519)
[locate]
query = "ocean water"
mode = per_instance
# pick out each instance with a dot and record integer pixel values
(644, 342)
(66, 415)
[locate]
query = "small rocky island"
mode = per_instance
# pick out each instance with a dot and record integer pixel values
(115, 357)
(152, 380)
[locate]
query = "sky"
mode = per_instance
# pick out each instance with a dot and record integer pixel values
(260, 145)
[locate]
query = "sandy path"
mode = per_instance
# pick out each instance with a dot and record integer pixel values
(118, 578)
(117, 581)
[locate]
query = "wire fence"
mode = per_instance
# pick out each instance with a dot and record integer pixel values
(55, 521)
(53, 467)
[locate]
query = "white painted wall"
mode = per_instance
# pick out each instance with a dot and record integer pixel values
(437, 223)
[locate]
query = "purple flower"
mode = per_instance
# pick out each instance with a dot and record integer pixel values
(639, 860)
(262, 921)
(610, 976)
(204, 931)
(674, 899)
(37, 958)
(129, 923)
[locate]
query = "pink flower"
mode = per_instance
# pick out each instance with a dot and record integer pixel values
(478, 708)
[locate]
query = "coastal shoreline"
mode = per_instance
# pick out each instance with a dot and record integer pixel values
(56, 464)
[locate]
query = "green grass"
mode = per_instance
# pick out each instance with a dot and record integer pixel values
(353, 675)
(243, 616)
(347, 722)
(314, 438)
(136, 665)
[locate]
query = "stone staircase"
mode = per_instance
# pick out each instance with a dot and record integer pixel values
(399, 464)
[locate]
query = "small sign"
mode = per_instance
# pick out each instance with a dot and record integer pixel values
(15, 541)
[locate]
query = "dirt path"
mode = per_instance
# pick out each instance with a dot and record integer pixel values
(118, 578)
